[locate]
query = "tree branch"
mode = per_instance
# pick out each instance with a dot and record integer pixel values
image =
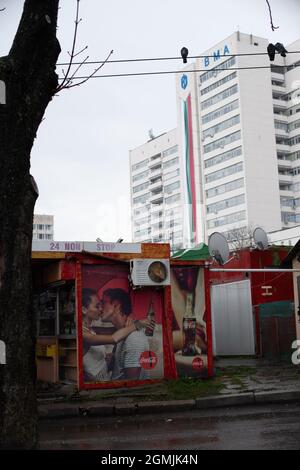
(271, 18)
(90, 76)
(72, 55)
(68, 79)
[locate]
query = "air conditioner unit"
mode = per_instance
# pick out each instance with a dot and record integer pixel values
(150, 272)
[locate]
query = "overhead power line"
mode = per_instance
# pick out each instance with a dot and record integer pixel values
(139, 74)
(149, 59)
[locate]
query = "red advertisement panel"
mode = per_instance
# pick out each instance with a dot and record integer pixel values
(120, 329)
(190, 321)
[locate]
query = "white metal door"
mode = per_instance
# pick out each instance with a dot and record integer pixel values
(232, 319)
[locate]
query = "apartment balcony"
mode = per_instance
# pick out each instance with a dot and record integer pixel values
(154, 163)
(277, 76)
(284, 164)
(285, 179)
(155, 185)
(286, 192)
(281, 133)
(283, 148)
(279, 103)
(156, 199)
(157, 231)
(155, 172)
(279, 89)
(279, 115)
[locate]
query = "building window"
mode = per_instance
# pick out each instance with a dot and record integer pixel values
(227, 219)
(293, 141)
(140, 176)
(222, 126)
(140, 165)
(230, 170)
(294, 125)
(220, 143)
(173, 223)
(155, 157)
(294, 65)
(219, 97)
(220, 112)
(141, 199)
(277, 69)
(287, 201)
(171, 199)
(142, 233)
(171, 174)
(282, 140)
(144, 220)
(141, 210)
(170, 163)
(171, 187)
(281, 125)
(140, 187)
(223, 157)
(173, 212)
(225, 188)
(170, 151)
(221, 205)
(41, 236)
(216, 70)
(215, 85)
(287, 187)
(41, 227)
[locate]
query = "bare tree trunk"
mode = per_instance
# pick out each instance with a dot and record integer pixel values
(29, 75)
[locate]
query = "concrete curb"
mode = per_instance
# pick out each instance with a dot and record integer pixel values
(226, 400)
(277, 396)
(93, 409)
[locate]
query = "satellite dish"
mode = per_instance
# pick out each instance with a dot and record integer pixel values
(260, 238)
(218, 247)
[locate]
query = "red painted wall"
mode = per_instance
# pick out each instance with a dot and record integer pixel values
(282, 283)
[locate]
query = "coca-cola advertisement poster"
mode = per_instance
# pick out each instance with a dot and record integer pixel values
(120, 329)
(189, 321)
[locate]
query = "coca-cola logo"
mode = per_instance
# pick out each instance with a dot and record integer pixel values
(148, 360)
(197, 363)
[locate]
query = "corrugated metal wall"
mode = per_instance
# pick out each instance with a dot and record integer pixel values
(232, 318)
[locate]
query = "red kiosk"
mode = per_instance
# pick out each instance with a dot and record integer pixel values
(87, 294)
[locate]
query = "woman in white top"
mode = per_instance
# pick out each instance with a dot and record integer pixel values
(94, 362)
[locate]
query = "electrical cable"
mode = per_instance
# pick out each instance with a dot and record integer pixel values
(152, 59)
(138, 74)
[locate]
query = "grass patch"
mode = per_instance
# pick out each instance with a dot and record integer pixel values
(232, 371)
(181, 389)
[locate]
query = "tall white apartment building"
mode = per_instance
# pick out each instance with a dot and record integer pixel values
(156, 196)
(238, 142)
(43, 227)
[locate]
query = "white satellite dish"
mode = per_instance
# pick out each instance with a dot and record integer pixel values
(218, 247)
(260, 238)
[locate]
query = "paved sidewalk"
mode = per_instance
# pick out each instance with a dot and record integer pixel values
(239, 382)
(257, 375)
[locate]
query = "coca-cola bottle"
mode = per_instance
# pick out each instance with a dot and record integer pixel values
(151, 317)
(189, 328)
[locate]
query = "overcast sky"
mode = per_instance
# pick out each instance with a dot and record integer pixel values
(80, 158)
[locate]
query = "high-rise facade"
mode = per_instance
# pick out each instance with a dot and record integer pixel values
(156, 196)
(238, 141)
(43, 227)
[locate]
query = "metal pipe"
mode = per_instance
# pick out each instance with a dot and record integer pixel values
(251, 270)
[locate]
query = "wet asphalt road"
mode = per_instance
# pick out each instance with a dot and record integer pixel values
(253, 427)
